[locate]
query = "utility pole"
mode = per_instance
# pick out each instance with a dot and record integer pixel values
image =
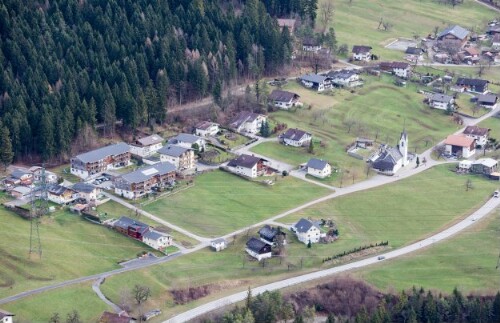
(39, 207)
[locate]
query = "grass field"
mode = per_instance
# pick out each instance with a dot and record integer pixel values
(494, 125)
(72, 247)
(466, 261)
(379, 111)
(64, 172)
(221, 202)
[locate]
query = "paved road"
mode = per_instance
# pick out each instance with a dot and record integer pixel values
(96, 288)
(276, 164)
(467, 222)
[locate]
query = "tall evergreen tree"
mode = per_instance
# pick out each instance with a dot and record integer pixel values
(6, 153)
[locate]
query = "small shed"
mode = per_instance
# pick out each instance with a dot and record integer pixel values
(218, 244)
(464, 165)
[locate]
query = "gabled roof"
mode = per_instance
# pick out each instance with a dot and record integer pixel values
(473, 51)
(204, 125)
(257, 245)
(282, 96)
(18, 173)
(244, 117)
(145, 173)
(245, 161)
(268, 232)
(155, 235)
(361, 49)
(475, 131)
(313, 78)
(438, 97)
(101, 153)
(58, 189)
(488, 162)
(310, 41)
(22, 189)
(295, 134)
(414, 51)
(172, 150)
(388, 159)
(471, 82)
(125, 222)
(317, 163)
(487, 98)
(83, 187)
(5, 314)
(304, 225)
(392, 65)
(459, 140)
(457, 31)
(342, 74)
(150, 140)
(219, 240)
(184, 137)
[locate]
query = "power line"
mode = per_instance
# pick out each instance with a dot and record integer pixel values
(39, 208)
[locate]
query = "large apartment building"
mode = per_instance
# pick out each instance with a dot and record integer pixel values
(142, 181)
(95, 162)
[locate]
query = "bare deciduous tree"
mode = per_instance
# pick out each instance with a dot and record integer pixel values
(141, 295)
(326, 11)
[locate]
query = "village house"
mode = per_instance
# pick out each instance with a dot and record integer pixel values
(442, 101)
(108, 317)
(311, 44)
(130, 227)
(345, 78)
(272, 235)
(146, 146)
(307, 231)
(156, 239)
(37, 171)
(258, 249)
(218, 244)
(495, 41)
(60, 194)
(390, 159)
(453, 35)
(87, 192)
(471, 54)
(21, 192)
(471, 85)
(484, 166)
(477, 133)
(289, 23)
(248, 122)
(361, 53)
(19, 177)
(206, 129)
(143, 181)
(247, 165)
(315, 81)
(182, 158)
(318, 168)
(400, 69)
(6, 317)
(95, 162)
(296, 137)
(187, 140)
(283, 99)
(414, 54)
(460, 146)
(488, 101)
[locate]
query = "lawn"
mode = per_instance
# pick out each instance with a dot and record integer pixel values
(469, 108)
(466, 261)
(214, 155)
(235, 140)
(64, 236)
(221, 202)
(378, 111)
(80, 298)
(64, 172)
(494, 125)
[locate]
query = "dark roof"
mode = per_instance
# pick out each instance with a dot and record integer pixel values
(143, 174)
(471, 82)
(101, 153)
(414, 51)
(242, 118)
(310, 41)
(317, 163)
(258, 246)
(57, 189)
(441, 97)
(268, 232)
(313, 78)
(342, 74)
(456, 31)
(5, 314)
(245, 161)
(387, 159)
(172, 150)
(154, 235)
(149, 140)
(125, 222)
(184, 137)
(18, 173)
(487, 98)
(360, 49)
(392, 65)
(204, 125)
(83, 187)
(295, 134)
(304, 225)
(108, 317)
(476, 131)
(282, 96)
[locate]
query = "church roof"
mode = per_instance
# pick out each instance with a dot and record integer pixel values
(388, 159)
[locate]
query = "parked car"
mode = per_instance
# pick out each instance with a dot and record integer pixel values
(496, 193)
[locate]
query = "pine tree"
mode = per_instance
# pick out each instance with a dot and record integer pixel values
(495, 311)
(310, 149)
(6, 153)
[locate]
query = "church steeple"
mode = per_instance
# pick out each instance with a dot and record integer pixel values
(403, 146)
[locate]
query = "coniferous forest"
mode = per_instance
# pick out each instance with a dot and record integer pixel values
(68, 66)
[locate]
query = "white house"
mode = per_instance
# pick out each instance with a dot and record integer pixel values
(86, 191)
(247, 165)
(307, 231)
(345, 78)
(258, 249)
(311, 44)
(218, 244)
(460, 145)
(206, 129)
(146, 146)
(441, 101)
(248, 122)
(183, 158)
(283, 99)
(390, 159)
(6, 317)
(187, 140)
(361, 53)
(400, 69)
(157, 240)
(296, 137)
(315, 81)
(477, 133)
(318, 168)
(61, 195)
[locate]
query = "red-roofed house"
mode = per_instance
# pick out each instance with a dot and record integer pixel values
(460, 145)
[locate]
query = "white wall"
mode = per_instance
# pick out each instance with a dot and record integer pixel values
(320, 173)
(313, 235)
(259, 257)
(249, 172)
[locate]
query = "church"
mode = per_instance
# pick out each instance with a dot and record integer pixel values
(390, 159)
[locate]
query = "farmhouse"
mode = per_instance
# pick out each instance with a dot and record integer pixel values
(296, 137)
(60, 194)
(248, 122)
(247, 165)
(488, 100)
(390, 159)
(400, 69)
(460, 145)
(310, 44)
(86, 191)
(453, 35)
(306, 231)
(318, 168)
(258, 249)
(361, 53)
(95, 162)
(484, 166)
(206, 129)
(142, 181)
(442, 101)
(477, 133)
(146, 146)
(283, 99)
(21, 192)
(314, 81)
(182, 158)
(130, 227)
(345, 78)
(289, 23)
(19, 177)
(187, 140)
(218, 244)
(272, 235)
(156, 239)
(6, 317)
(472, 85)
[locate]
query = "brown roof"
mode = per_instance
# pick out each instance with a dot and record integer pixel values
(282, 96)
(204, 125)
(360, 49)
(476, 131)
(295, 134)
(245, 161)
(459, 140)
(472, 51)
